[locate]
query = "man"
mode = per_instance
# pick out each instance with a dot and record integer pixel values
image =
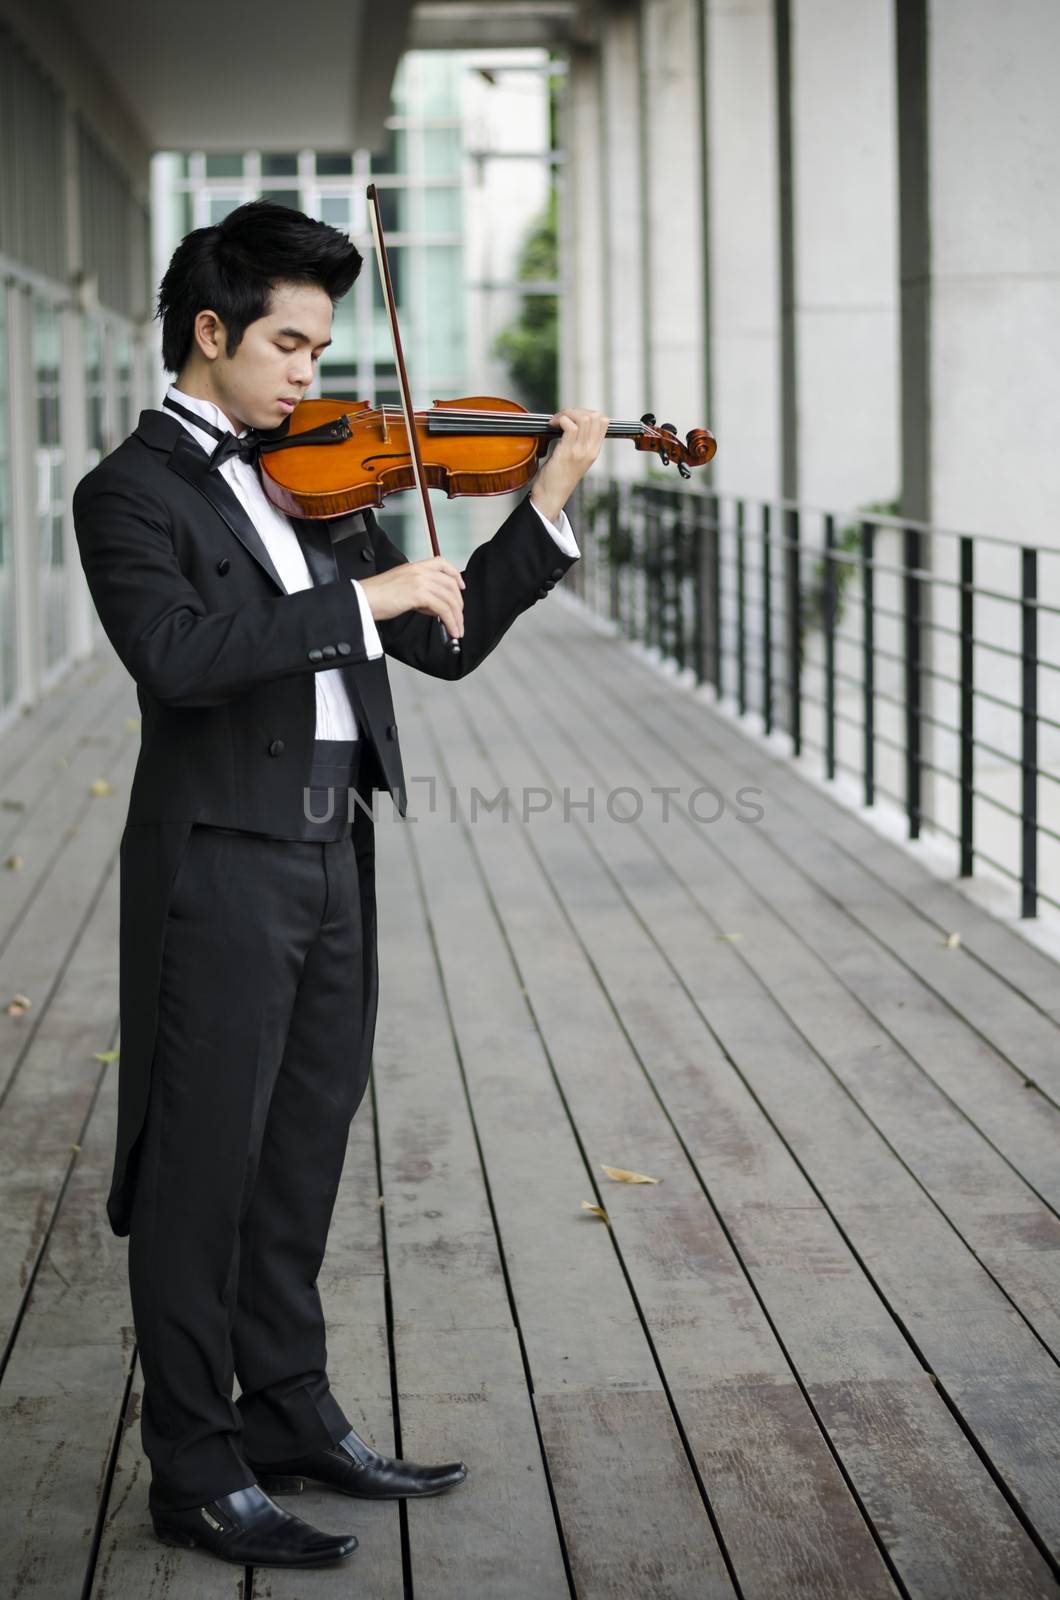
(248, 978)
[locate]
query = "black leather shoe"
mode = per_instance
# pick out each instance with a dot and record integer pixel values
(248, 1528)
(353, 1467)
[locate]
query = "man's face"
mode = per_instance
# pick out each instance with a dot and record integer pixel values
(276, 359)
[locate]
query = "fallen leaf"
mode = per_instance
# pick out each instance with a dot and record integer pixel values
(953, 941)
(131, 724)
(597, 1211)
(620, 1175)
(75, 1148)
(13, 805)
(730, 936)
(105, 1055)
(14, 863)
(18, 1004)
(100, 786)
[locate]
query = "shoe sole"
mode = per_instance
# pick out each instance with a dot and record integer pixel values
(185, 1541)
(296, 1485)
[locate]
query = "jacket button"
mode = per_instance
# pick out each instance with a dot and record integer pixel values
(276, 747)
(316, 655)
(223, 565)
(541, 593)
(366, 554)
(343, 647)
(391, 730)
(549, 584)
(557, 574)
(329, 652)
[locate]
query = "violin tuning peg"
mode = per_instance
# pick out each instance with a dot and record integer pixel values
(684, 470)
(668, 427)
(664, 458)
(648, 420)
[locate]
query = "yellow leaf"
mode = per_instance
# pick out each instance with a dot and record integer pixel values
(953, 941)
(75, 1148)
(100, 786)
(14, 863)
(105, 1055)
(597, 1211)
(732, 937)
(620, 1175)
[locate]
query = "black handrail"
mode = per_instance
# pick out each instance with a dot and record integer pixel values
(655, 560)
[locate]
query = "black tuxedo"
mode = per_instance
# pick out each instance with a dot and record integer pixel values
(224, 659)
(224, 662)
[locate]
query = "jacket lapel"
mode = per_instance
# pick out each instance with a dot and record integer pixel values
(191, 463)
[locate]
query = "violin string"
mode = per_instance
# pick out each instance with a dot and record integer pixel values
(523, 423)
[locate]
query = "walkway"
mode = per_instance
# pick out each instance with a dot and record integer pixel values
(816, 1358)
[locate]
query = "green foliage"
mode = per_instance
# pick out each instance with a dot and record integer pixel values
(529, 346)
(814, 606)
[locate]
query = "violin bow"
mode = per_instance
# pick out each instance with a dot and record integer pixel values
(389, 302)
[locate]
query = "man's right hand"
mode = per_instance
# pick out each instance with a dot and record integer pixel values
(432, 586)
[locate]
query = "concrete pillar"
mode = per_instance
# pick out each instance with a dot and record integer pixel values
(742, 176)
(994, 161)
(673, 215)
(582, 380)
(622, 302)
(844, 168)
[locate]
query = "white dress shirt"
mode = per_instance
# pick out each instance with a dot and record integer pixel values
(335, 717)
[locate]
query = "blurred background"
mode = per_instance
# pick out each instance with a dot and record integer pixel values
(827, 229)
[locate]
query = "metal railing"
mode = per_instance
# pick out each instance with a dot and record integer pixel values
(924, 663)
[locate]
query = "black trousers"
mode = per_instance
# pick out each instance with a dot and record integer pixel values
(258, 1071)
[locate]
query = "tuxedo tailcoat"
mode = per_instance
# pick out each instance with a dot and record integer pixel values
(224, 658)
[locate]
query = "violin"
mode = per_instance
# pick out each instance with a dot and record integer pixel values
(477, 446)
(331, 457)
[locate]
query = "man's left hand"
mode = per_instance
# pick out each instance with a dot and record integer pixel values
(583, 434)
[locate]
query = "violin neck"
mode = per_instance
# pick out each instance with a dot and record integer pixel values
(452, 420)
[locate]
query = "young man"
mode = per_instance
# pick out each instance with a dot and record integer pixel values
(248, 978)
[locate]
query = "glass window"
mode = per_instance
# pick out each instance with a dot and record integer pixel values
(123, 382)
(8, 667)
(394, 210)
(224, 166)
(95, 394)
(445, 311)
(443, 210)
(222, 204)
(283, 197)
(46, 343)
(335, 208)
(393, 157)
(279, 166)
(395, 255)
(334, 165)
(442, 152)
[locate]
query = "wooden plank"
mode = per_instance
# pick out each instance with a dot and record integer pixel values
(689, 936)
(56, 836)
(62, 1403)
(353, 1293)
(64, 958)
(462, 1383)
(628, 1501)
(133, 1563)
(785, 1514)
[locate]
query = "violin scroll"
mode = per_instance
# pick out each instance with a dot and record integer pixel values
(698, 448)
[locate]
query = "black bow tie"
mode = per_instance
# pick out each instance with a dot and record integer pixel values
(246, 446)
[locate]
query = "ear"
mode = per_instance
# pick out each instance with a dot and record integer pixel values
(209, 334)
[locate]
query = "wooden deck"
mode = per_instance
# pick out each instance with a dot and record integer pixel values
(817, 1358)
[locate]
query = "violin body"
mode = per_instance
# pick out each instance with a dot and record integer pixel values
(375, 460)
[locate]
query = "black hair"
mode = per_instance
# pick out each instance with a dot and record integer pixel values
(232, 266)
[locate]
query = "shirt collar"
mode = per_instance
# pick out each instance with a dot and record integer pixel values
(205, 409)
